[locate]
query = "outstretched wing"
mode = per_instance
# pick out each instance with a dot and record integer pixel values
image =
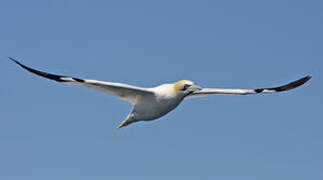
(212, 91)
(127, 92)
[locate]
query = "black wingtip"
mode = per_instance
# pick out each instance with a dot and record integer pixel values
(302, 81)
(58, 78)
(40, 73)
(12, 58)
(308, 77)
(15, 61)
(292, 85)
(286, 87)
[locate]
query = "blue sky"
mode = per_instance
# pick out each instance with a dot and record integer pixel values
(55, 131)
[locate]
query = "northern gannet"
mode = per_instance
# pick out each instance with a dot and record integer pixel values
(152, 103)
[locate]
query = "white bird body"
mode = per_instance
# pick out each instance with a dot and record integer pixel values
(153, 103)
(164, 100)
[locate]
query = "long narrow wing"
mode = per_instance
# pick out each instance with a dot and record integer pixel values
(124, 91)
(212, 91)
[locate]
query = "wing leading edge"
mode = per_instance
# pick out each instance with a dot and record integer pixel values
(286, 87)
(127, 92)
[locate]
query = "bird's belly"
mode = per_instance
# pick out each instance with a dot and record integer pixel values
(151, 111)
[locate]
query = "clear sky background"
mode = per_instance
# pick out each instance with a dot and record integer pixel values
(55, 131)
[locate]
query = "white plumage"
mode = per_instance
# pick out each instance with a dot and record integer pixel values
(152, 103)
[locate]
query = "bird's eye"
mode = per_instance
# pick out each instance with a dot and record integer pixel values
(185, 87)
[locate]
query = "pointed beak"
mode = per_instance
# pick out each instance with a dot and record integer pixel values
(195, 88)
(123, 124)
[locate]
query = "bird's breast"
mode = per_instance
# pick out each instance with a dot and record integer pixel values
(155, 108)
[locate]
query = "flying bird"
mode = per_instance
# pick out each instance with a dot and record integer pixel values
(152, 103)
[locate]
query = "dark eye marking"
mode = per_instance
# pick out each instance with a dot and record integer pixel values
(185, 87)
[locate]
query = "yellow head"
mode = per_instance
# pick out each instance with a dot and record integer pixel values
(182, 85)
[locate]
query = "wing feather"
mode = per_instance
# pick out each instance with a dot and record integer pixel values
(212, 91)
(127, 92)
